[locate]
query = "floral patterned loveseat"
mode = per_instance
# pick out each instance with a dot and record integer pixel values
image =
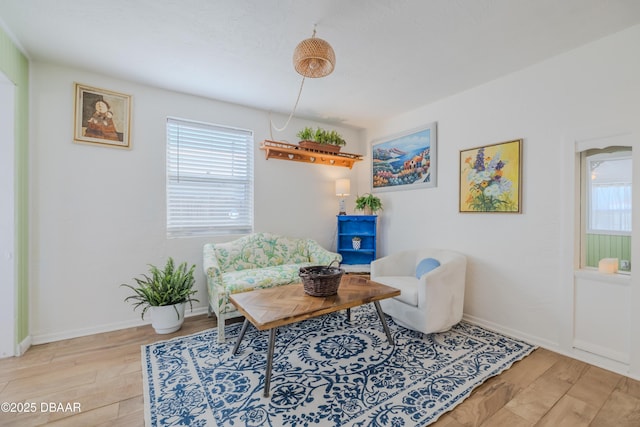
(259, 260)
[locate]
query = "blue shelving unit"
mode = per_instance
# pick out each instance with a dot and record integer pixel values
(363, 226)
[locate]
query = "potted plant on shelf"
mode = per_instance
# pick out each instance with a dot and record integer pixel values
(166, 293)
(369, 204)
(320, 139)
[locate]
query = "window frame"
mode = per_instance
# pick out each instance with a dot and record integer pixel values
(610, 154)
(205, 178)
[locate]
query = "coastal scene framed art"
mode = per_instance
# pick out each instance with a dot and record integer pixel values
(405, 161)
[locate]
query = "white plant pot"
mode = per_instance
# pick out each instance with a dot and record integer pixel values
(356, 244)
(165, 320)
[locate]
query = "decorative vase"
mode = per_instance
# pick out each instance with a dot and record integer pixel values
(356, 243)
(165, 320)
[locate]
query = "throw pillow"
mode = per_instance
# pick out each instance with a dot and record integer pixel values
(425, 266)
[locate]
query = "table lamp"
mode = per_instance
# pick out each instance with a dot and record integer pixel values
(343, 186)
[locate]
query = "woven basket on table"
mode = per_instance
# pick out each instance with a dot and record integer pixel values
(321, 280)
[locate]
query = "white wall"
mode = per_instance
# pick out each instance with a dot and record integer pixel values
(517, 271)
(98, 214)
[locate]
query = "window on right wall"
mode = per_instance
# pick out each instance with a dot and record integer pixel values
(606, 205)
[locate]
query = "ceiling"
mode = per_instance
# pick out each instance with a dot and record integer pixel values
(391, 55)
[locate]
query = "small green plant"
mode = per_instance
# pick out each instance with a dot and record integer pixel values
(306, 134)
(321, 136)
(356, 239)
(163, 287)
(370, 201)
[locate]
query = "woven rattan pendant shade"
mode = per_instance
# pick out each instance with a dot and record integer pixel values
(314, 58)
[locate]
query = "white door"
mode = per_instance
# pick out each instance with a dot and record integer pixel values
(7, 220)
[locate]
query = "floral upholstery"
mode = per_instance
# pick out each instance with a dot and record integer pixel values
(259, 260)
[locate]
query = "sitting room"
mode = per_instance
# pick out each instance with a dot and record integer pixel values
(460, 173)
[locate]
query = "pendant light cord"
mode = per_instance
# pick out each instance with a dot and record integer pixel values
(295, 107)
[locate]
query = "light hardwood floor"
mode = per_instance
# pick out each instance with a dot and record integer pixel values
(102, 373)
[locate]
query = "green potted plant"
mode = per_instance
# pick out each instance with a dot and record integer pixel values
(166, 293)
(320, 139)
(368, 203)
(306, 134)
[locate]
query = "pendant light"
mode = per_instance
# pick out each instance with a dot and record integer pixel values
(313, 58)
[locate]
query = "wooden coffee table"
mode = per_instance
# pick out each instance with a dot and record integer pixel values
(267, 309)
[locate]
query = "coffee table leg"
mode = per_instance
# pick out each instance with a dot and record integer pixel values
(348, 315)
(267, 376)
(242, 332)
(384, 323)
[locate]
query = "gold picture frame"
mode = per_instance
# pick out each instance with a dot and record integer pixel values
(491, 178)
(102, 117)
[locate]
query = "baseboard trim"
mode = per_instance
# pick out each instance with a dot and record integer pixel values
(531, 339)
(76, 333)
(23, 346)
(615, 356)
(573, 352)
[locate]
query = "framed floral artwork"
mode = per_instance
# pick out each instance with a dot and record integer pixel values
(101, 117)
(405, 161)
(491, 178)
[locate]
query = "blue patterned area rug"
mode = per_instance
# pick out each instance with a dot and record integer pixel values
(326, 372)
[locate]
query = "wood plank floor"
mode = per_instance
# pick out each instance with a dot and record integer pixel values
(102, 374)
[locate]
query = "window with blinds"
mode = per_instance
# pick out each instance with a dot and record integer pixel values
(209, 179)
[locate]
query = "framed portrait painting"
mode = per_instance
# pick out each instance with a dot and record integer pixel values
(405, 161)
(491, 178)
(102, 117)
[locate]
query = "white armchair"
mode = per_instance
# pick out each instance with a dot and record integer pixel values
(430, 303)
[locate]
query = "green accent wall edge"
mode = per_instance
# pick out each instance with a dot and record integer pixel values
(15, 65)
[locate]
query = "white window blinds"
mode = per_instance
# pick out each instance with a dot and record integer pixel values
(209, 179)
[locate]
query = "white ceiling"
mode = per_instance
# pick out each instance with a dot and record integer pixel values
(392, 55)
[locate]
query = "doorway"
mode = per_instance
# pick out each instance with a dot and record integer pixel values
(602, 277)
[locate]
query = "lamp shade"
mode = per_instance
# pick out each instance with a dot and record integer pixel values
(314, 57)
(343, 186)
